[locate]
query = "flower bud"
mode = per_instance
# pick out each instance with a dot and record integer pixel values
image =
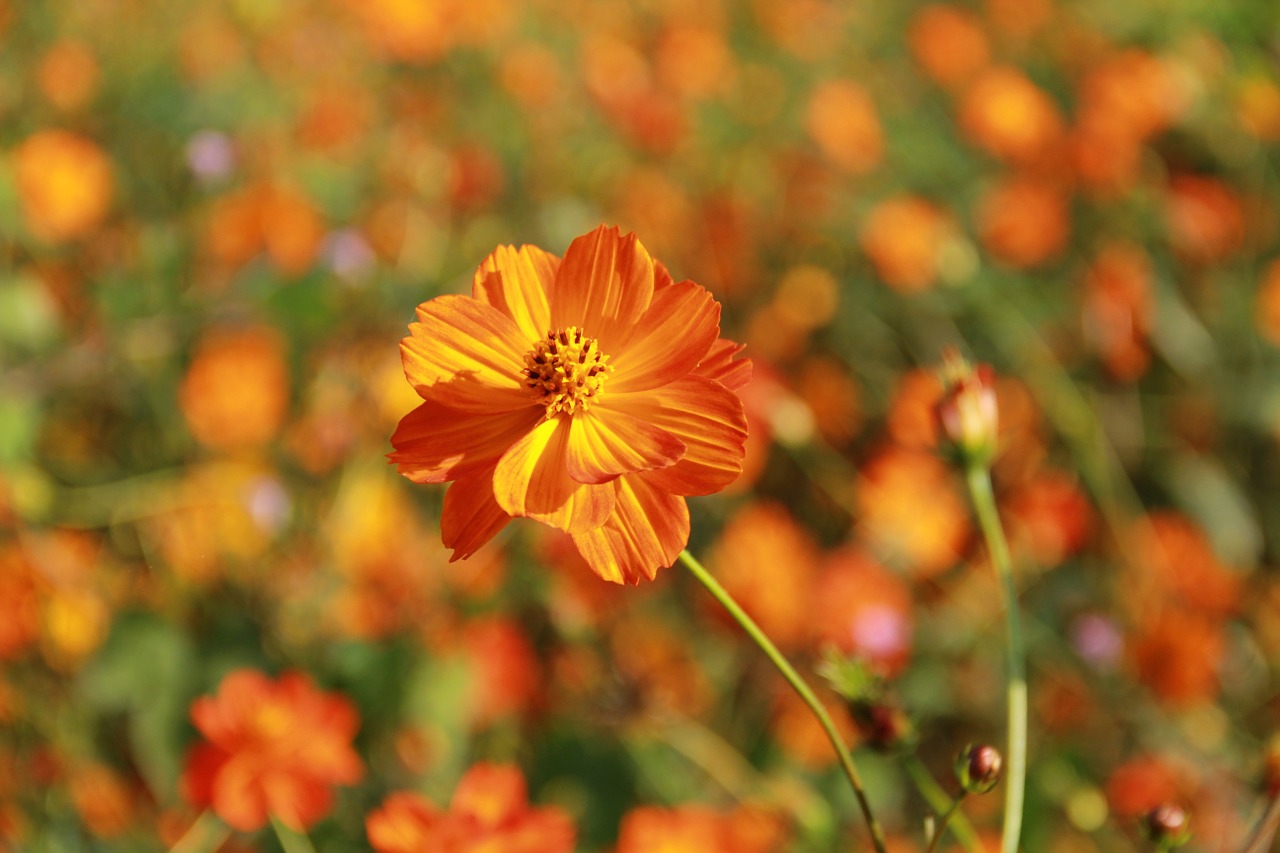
(1167, 826)
(884, 726)
(967, 414)
(978, 768)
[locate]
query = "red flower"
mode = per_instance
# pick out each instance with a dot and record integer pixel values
(274, 748)
(590, 393)
(490, 813)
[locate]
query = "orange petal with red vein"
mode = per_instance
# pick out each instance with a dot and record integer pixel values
(721, 365)
(471, 515)
(605, 442)
(435, 444)
(604, 285)
(518, 282)
(466, 355)
(708, 418)
(672, 337)
(532, 480)
(646, 532)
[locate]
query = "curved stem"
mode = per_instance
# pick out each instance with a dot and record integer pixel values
(984, 504)
(1265, 831)
(205, 834)
(941, 803)
(942, 823)
(793, 678)
(290, 839)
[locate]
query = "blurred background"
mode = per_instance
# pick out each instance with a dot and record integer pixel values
(216, 218)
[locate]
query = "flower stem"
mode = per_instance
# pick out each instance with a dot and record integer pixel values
(943, 821)
(941, 803)
(793, 678)
(206, 834)
(984, 505)
(290, 839)
(1265, 831)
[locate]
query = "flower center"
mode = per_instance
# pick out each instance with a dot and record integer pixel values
(566, 371)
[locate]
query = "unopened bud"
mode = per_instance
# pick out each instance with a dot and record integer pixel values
(967, 414)
(978, 768)
(1167, 826)
(884, 726)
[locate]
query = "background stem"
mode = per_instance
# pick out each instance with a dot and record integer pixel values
(793, 678)
(984, 504)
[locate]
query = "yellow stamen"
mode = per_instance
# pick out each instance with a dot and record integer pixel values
(566, 371)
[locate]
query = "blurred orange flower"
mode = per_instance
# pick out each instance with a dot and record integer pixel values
(64, 184)
(277, 219)
(766, 562)
(864, 610)
(949, 43)
(236, 392)
(1119, 309)
(904, 237)
(698, 829)
(68, 74)
(489, 813)
(273, 749)
(1205, 217)
(1023, 222)
(589, 393)
(1267, 312)
(911, 511)
(843, 122)
(1008, 116)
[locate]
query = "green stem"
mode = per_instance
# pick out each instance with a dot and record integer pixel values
(290, 839)
(793, 678)
(984, 504)
(943, 821)
(941, 803)
(206, 834)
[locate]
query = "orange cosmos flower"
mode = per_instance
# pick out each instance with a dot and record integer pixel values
(490, 813)
(590, 393)
(273, 748)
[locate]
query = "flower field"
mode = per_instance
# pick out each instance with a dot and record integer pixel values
(639, 427)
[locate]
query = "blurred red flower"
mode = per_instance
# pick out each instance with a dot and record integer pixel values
(273, 748)
(590, 393)
(490, 813)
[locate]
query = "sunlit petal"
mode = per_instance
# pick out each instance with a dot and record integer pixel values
(646, 532)
(435, 444)
(605, 442)
(672, 337)
(466, 355)
(532, 480)
(471, 514)
(708, 418)
(604, 285)
(518, 282)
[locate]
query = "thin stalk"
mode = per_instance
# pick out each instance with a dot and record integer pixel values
(290, 839)
(1260, 839)
(797, 683)
(206, 834)
(984, 504)
(941, 803)
(942, 823)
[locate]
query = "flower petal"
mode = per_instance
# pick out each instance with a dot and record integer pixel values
(604, 285)
(708, 418)
(719, 364)
(517, 282)
(669, 341)
(466, 355)
(532, 480)
(471, 515)
(605, 442)
(646, 532)
(435, 444)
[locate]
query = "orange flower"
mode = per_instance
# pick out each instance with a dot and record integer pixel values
(1266, 314)
(698, 829)
(490, 813)
(904, 237)
(64, 184)
(274, 748)
(590, 393)
(949, 43)
(1010, 117)
(235, 395)
(1023, 222)
(842, 119)
(1119, 308)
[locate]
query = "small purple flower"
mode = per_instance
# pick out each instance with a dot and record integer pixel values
(349, 254)
(211, 156)
(1097, 639)
(268, 504)
(879, 632)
